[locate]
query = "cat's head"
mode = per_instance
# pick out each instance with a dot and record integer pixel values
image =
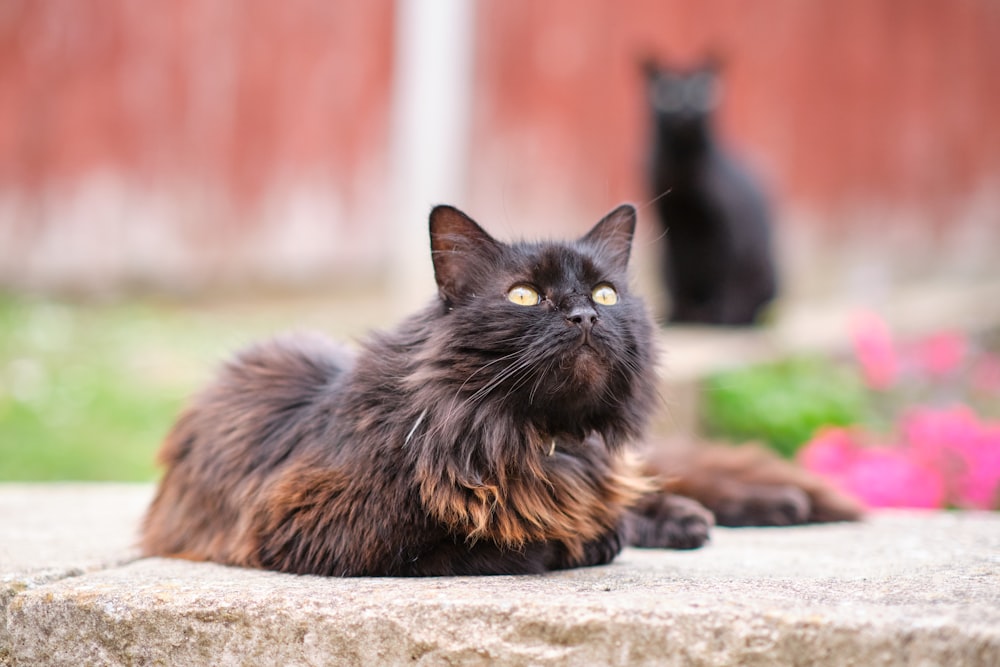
(548, 331)
(683, 100)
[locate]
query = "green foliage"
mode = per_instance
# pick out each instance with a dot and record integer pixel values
(87, 393)
(782, 404)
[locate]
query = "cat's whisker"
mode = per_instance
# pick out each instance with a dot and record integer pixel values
(538, 382)
(500, 378)
(413, 430)
(524, 366)
(654, 199)
(519, 383)
(516, 339)
(483, 368)
(659, 237)
(641, 207)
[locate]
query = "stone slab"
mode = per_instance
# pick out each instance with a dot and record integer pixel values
(899, 589)
(49, 532)
(52, 529)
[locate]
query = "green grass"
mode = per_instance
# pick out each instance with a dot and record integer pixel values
(87, 392)
(782, 404)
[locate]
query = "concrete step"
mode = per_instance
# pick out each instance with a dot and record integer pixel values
(902, 588)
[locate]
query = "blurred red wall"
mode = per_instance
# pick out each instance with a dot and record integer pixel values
(838, 102)
(231, 91)
(208, 116)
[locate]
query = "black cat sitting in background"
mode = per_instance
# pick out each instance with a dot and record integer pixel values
(718, 266)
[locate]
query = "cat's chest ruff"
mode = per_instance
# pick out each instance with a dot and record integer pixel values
(563, 488)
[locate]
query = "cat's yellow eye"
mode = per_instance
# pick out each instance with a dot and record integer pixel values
(523, 295)
(605, 295)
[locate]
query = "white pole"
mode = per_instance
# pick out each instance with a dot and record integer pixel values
(432, 93)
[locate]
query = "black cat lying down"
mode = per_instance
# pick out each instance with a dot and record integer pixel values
(487, 434)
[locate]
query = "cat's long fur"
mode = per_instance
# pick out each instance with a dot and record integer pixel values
(479, 437)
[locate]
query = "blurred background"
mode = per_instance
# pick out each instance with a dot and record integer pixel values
(180, 176)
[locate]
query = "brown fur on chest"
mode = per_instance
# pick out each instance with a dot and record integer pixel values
(556, 493)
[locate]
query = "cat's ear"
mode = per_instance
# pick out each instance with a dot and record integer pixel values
(459, 249)
(650, 68)
(613, 234)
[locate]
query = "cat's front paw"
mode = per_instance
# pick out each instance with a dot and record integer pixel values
(667, 521)
(599, 551)
(604, 549)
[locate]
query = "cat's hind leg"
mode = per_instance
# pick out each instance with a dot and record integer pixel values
(748, 485)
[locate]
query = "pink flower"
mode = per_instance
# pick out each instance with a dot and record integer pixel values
(965, 449)
(830, 453)
(886, 477)
(939, 457)
(986, 374)
(877, 476)
(936, 435)
(874, 349)
(942, 353)
(978, 484)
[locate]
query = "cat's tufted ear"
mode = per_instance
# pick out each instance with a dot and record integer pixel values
(459, 248)
(613, 234)
(650, 68)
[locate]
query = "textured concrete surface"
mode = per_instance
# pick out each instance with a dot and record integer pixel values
(49, 532)
(899, 589)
